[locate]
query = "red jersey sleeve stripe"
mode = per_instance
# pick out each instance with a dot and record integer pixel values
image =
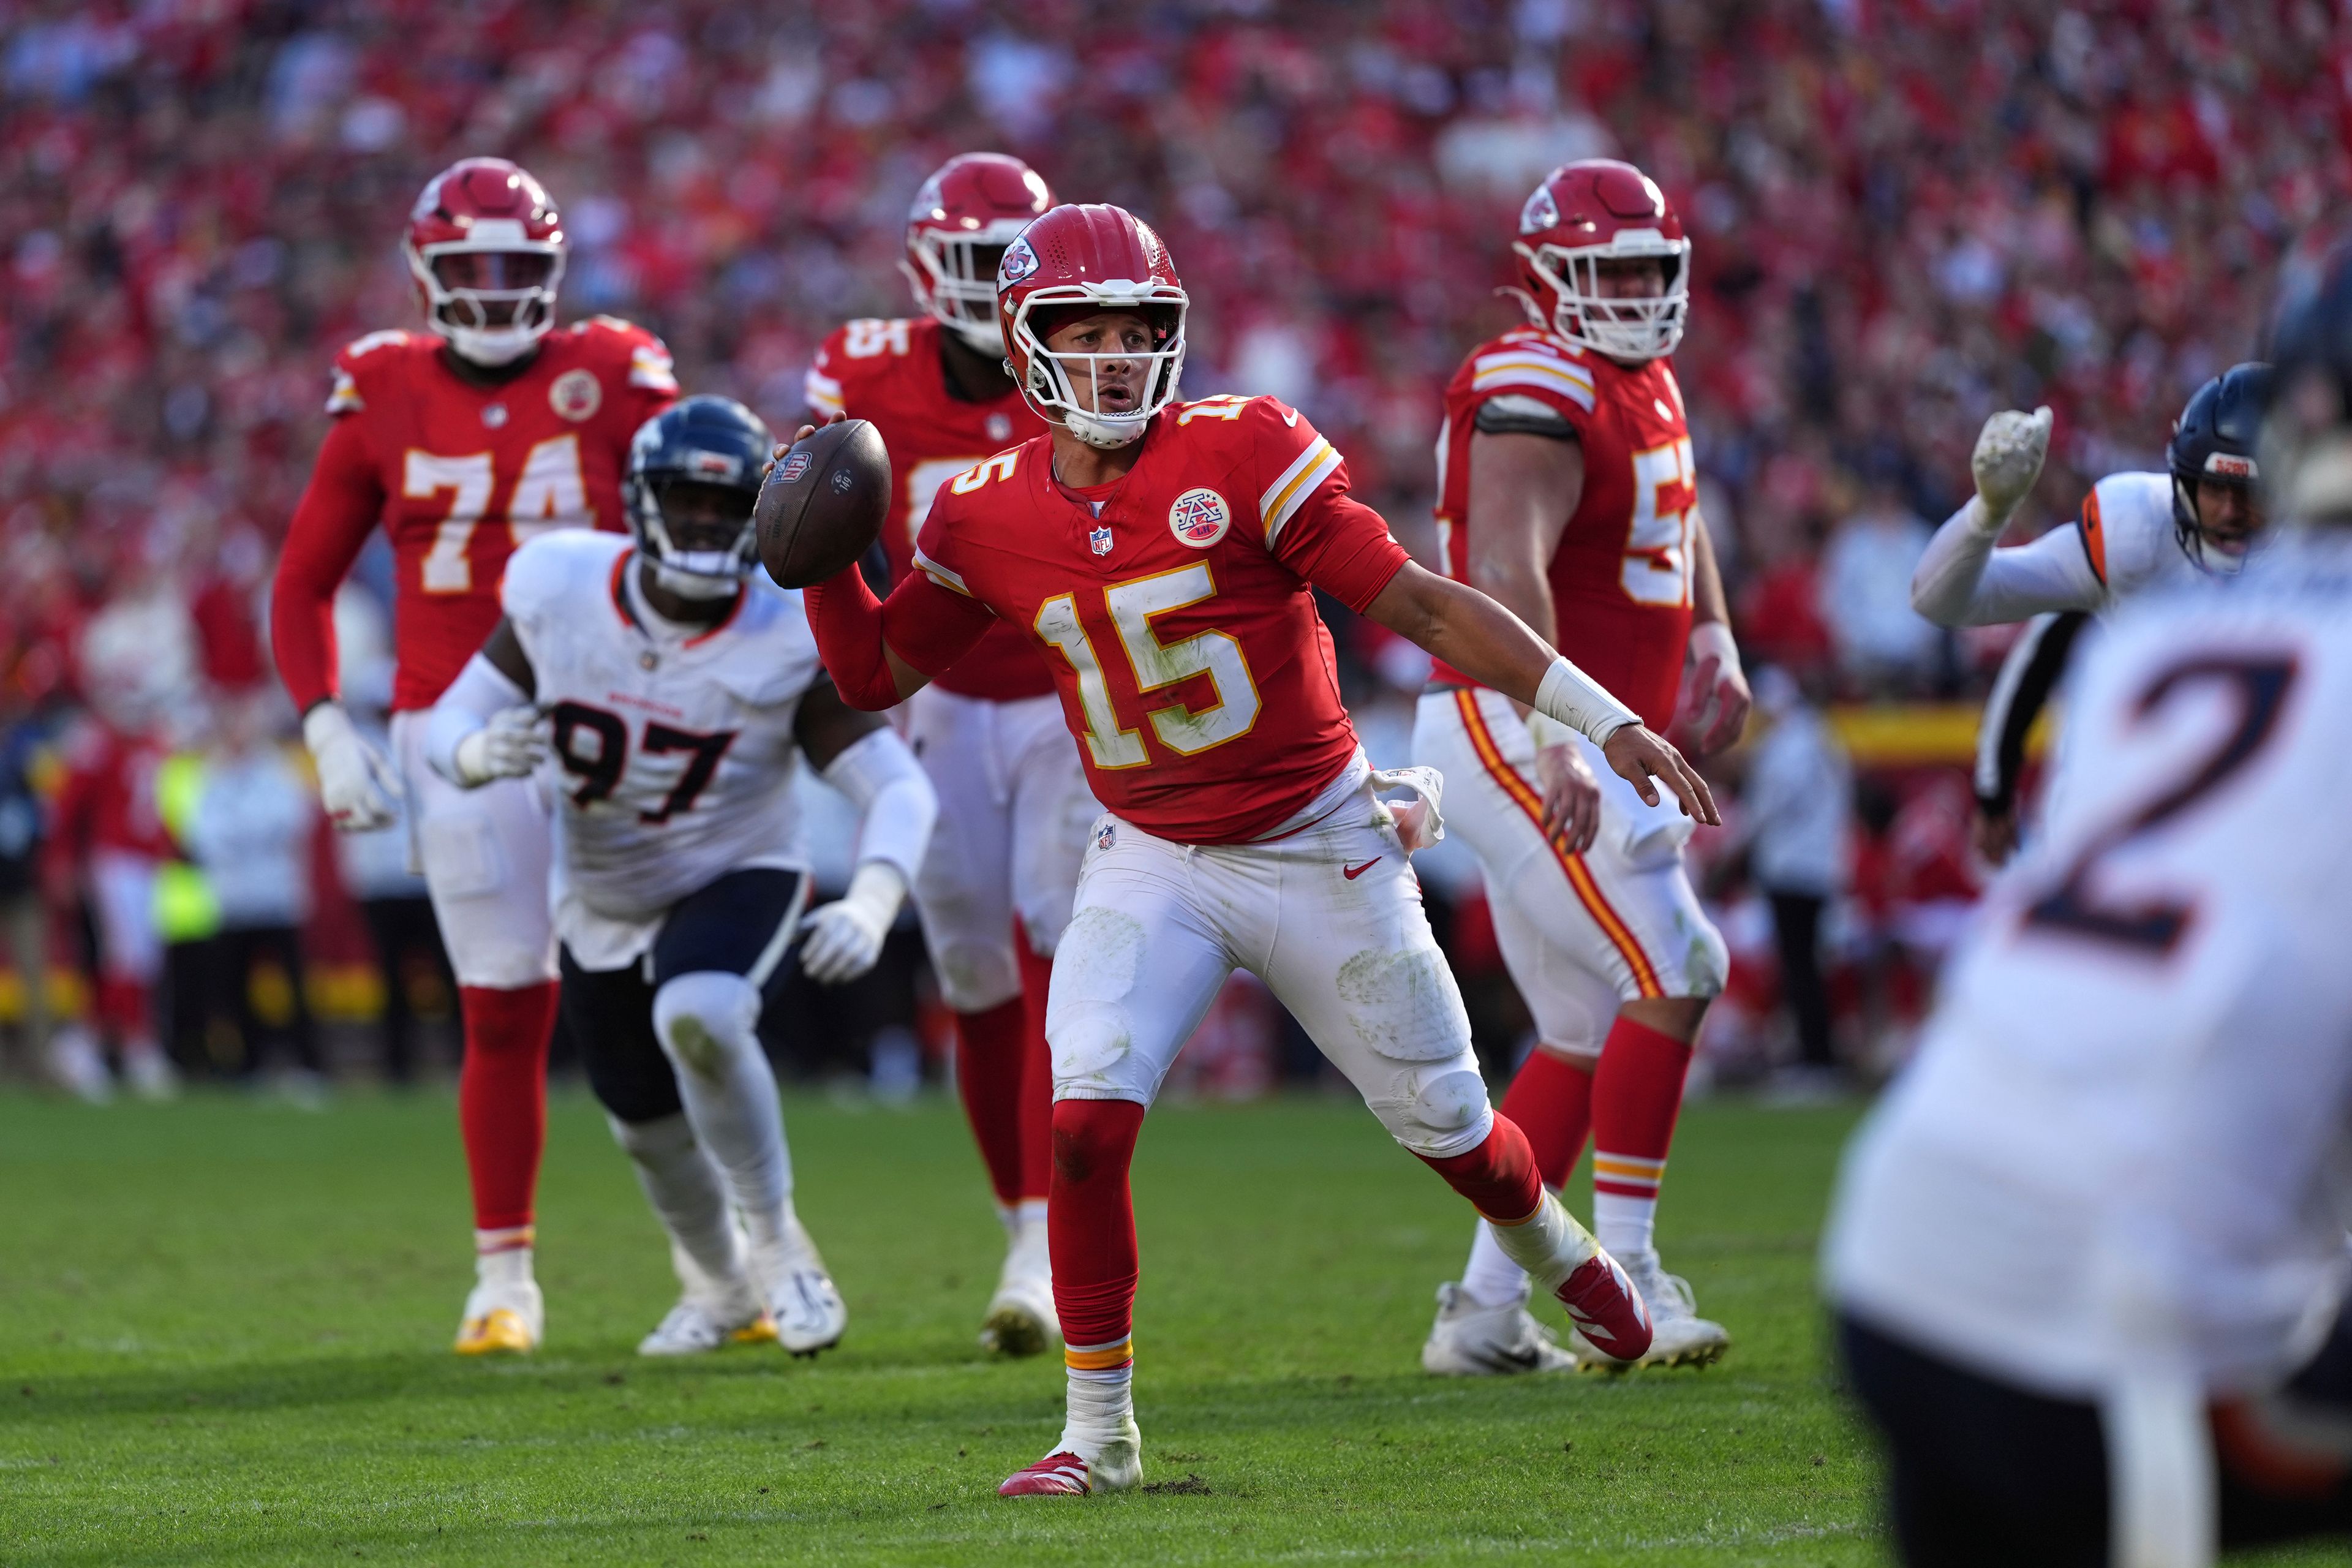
(823, 393)
(1554, 376)
(939, 574)
(1283, 497)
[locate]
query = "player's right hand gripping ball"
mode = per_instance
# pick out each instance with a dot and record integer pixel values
(822, 505)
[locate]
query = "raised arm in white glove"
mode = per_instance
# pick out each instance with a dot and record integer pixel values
(1961, 579)
(843, 940)
(356, 786)
(511, 745)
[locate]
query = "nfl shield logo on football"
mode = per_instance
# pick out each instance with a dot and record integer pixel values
(576, 395)
(1100, 539)
(796, 465)
(1199, 518)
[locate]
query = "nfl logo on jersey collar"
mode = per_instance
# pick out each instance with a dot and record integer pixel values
(1101, 538)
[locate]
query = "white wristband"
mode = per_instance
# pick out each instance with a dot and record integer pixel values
(1712, 640)
(1581, 703)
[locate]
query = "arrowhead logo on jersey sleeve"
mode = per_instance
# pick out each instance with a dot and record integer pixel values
(1199, 518)
(576, 395)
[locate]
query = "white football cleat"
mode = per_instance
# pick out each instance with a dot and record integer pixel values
(1470, 1339)
(1021, 1320)
(1679, 1336)
(1064, 1473)
(149, 1072)
(807, 1308)
(78, 1067)
(708, 1319)
(507, 1316)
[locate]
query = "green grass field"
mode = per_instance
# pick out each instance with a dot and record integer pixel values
(223, 1331)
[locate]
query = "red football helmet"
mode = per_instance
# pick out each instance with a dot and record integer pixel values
(1072, 260)
(487, 247)
(963, 217)
(1587, 212)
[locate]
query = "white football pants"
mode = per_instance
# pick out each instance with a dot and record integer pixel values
(1330, 917)
(1013, 815)
(1581, 935)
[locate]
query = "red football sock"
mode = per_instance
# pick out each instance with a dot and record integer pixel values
(990, 1078)
(1037, 1072)
(1090, 1229)
(1637, 1092)
(1550, 1100)
(1499, 1176)
(122, 1006)
(502, 1098)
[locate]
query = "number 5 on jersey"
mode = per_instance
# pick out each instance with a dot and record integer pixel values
(1155, 664)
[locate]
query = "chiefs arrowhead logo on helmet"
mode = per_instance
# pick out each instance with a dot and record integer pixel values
(1540, 212)
(1019, 262)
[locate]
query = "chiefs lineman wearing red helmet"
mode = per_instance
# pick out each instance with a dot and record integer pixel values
(1567, 492)
(461, 442)
(1162, 555)
(994, 891)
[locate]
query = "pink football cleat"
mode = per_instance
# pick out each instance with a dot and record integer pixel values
(1606, 1308)
(1055, 1474)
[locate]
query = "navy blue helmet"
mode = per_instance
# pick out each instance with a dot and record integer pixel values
(694, 471)
(2307, 443)
(2213, 443)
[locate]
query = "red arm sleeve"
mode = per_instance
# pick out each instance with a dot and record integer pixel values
(337, 509)
(928, 626)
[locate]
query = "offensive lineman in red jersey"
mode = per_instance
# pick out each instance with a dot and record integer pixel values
(1013, 802)
(1161, 554)
(1567, 493)
(463, 443)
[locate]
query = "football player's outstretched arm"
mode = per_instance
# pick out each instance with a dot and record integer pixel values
(880, 652)
(1962, 580)
(484, 726)
(859, 756)
(1524, 487)
(1493, 646)
(338, 510)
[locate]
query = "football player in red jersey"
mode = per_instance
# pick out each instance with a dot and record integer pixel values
(1567, 493)
(462, 442)
(995, 892)
(1162, 555)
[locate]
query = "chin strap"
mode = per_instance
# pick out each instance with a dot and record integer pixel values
(696, 585)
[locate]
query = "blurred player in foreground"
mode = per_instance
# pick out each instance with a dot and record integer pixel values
(677, 698)
(462, 442)
(2136, 530)
(1568, 494)
(1163, 553)
(996, 888)
(2088, 1253)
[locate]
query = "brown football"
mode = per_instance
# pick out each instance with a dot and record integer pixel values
(821, 506)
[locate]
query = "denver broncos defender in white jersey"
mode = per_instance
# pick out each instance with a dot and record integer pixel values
(2087, 1247)
(673, 696)
(2136, 530)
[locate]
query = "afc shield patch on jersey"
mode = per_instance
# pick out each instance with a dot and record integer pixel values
(1199, 518)
(576, 395)
(1100, 539)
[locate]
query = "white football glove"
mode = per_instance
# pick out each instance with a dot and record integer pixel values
(2008, 459)
(1420, 822)
(356, 786)
(510, 746)
(843, 940)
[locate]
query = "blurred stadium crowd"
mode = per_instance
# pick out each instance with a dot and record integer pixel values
(1906, 214)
